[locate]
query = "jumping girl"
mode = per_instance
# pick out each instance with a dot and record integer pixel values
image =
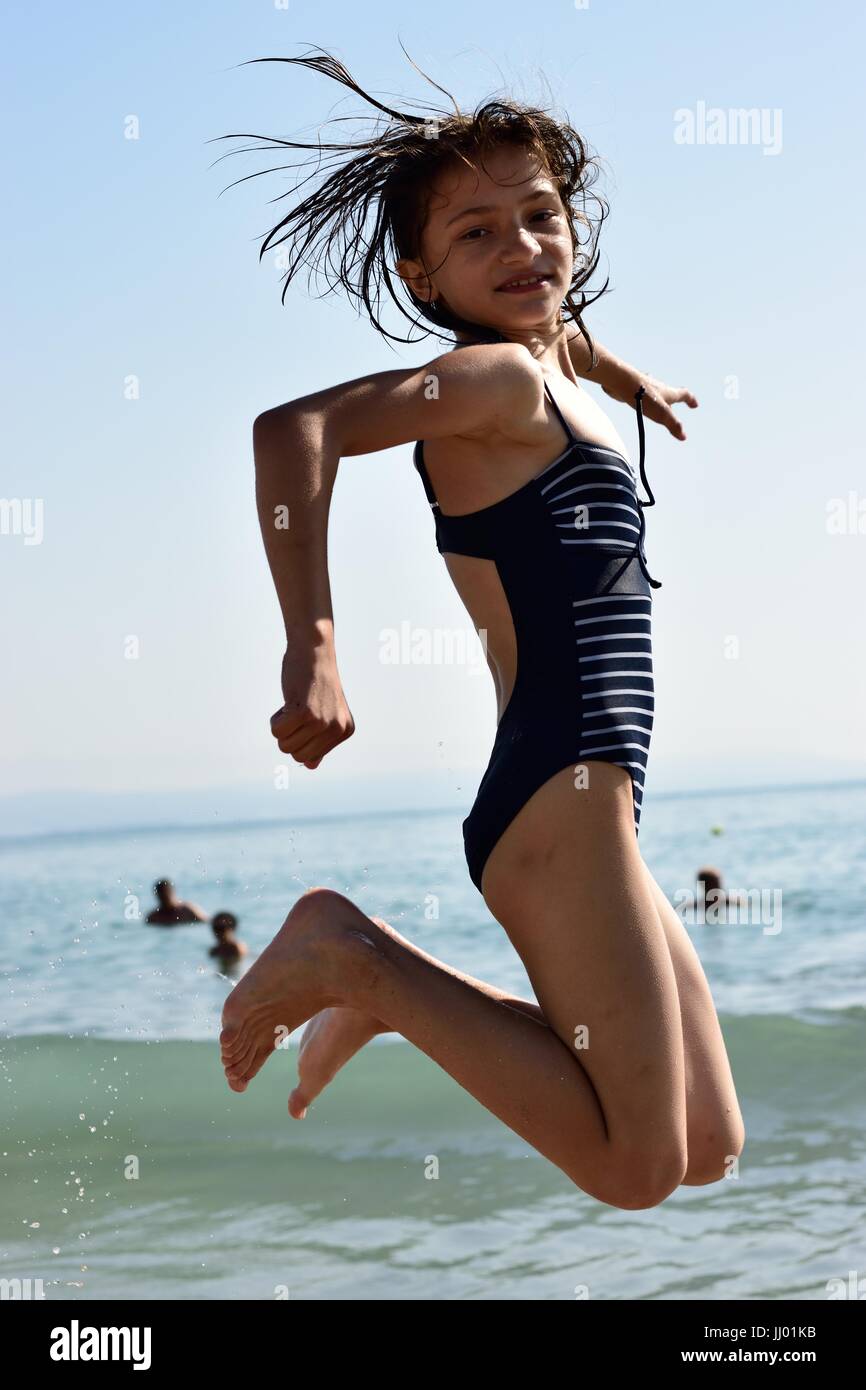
(619, 1074)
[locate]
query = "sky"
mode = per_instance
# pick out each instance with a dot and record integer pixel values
(140, 628)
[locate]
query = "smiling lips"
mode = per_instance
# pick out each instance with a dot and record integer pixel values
(524, 284)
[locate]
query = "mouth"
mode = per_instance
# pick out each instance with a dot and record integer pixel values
(523, 284)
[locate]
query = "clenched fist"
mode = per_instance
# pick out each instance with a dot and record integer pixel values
(314, 716)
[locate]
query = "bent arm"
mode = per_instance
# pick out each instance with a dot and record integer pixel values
(298, 447)
(296, 464)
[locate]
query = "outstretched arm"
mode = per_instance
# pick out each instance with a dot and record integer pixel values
(620, 381)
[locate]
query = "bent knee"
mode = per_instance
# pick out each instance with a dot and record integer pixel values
(316, 901)
(716, 1158)
(641, 1180)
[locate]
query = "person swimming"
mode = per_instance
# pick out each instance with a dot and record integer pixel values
(228, 949)
(173, 911)
(711, 895)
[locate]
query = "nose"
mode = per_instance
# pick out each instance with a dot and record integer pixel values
(519, 242)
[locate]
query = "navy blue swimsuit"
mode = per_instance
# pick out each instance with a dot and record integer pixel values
(568, 549)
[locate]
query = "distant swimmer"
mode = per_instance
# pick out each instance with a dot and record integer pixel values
(172, 910)
(711, 893)
(227, 948)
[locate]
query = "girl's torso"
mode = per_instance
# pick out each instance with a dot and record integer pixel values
(471, 472)
(469, 476)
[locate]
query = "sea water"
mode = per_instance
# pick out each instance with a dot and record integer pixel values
(129, 1170)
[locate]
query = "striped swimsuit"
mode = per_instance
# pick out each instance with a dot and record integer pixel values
(568, 549)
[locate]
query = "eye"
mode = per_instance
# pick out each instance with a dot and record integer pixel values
(542, 212)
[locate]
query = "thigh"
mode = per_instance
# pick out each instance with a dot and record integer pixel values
(715, 1124)
(567, 883)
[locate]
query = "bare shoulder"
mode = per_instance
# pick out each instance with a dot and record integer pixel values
(497, 366)
(505, 377)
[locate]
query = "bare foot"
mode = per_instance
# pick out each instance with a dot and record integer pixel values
(328, 1042)
(324, 942)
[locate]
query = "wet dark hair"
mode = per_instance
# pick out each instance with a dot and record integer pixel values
(388, 179)
(224, 921)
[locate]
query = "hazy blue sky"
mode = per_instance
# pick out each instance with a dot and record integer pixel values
(736, 262)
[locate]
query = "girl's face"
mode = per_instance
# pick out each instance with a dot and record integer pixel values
(488, 227)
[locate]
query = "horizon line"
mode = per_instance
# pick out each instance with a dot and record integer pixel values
(262, 821)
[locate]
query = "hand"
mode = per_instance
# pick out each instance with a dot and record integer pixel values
(314, 717)
(620, 381)
(657, 401)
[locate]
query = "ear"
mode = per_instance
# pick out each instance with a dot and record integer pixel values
(414, 276)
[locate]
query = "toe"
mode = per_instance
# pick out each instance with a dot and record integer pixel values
(249, 1067)
(231, 1038)
(240, 1061)
(298, 1103)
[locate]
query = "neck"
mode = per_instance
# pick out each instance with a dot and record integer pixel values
(547, 344)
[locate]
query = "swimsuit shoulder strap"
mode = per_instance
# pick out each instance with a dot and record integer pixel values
(418, 454)
(562, 419)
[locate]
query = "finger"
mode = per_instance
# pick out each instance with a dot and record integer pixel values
(680, 393)
(322, 743)
(294, 732)
(659, 411)
(284, 722)
(313, 748)
(297, 741)
(311, 741)
(295, 744)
